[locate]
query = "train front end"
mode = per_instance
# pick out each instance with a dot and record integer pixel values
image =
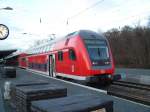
(101, 64)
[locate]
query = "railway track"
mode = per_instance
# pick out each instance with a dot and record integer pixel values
(138, 92)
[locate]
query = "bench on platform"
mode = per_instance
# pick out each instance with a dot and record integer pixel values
(9, 72)
(23, 95)
(19, 83)
(77, 103)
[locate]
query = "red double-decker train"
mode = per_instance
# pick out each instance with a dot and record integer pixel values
(82, 55)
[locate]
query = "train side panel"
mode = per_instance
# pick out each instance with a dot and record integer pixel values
(38, 62)
(22, 59)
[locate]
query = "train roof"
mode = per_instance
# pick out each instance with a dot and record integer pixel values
(85, 34)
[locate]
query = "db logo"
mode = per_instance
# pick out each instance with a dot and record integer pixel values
(4, 32)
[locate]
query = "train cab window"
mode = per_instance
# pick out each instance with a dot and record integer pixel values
(98, 52)
(60, 56)
(72, 54)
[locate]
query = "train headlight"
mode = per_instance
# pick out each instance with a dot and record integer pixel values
(109, 76)
(94, 63)
(107, 62)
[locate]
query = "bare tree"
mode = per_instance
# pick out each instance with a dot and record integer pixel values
(130, 46)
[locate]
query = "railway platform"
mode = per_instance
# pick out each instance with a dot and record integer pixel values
(120, 105)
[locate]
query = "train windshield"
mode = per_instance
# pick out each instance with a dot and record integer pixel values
(98, 52)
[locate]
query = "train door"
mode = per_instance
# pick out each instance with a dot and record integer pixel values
(52, 65)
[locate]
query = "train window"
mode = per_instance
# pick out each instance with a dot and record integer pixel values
(45, 48)
(45, 67)
(41, 50)
(48, 48)
(37, 50)
(60, 56)
(72, 54)
(98, 52)
(24, 59)
(34, 51)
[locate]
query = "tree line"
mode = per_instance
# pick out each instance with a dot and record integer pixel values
(130, 46)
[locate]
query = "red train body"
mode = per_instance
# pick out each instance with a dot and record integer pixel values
(83, 55)
(22, 60)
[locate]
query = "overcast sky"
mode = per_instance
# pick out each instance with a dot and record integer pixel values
(64, 16)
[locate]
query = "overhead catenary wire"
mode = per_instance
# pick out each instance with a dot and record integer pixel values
(113, 10)
(140, 15)
(116, 9)
(84, 10)
(90, 7)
